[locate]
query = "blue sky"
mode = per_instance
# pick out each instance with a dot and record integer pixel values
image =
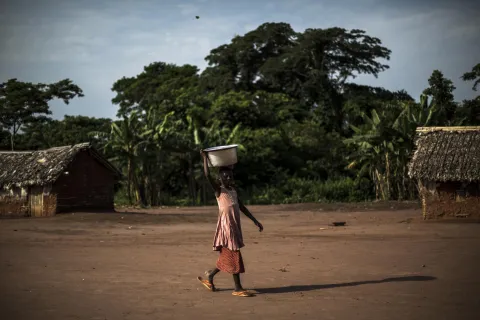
(95, 43)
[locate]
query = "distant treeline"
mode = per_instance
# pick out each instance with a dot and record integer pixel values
(306, 131)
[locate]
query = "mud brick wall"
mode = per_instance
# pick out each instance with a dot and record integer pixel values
(49, 205)
(446, 203)
(87, 186)
(13, 207)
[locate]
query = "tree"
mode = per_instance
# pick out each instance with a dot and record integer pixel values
(288, 98)
(374, 144)
(362, 99)
(24, 102)
(124, 140)
(237, 65)
(441, 92)
(71, 130)
(473, 75)
(255, 110)
(383, 145)
(4, 139)
(311, 67)
(468, 112)
(156, 87)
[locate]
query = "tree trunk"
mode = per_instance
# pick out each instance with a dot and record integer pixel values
(387, 177)
(136, 188)
(12, 137)
(400, 190)
(381, 184)
(204, 192)
(129, 179)
(142, 190)
(375, 184)
(191, 179)
(153, 193)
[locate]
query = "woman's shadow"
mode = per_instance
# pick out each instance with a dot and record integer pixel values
(303, 288)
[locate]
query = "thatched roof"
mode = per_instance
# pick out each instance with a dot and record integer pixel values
(27, 168)
(446, 154)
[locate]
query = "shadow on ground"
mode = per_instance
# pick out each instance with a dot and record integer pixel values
(312, 287)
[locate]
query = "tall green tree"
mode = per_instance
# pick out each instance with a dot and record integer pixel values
(158, 87)
(238, 65)
(125, 141)
(468, 112)
(440, 90)
(473, 75)
(311, 66)
(288, 98)
(24, 102)
(382, 146)
(71, 130)
(362, 99)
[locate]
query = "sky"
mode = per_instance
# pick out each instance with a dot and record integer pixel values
(95, 43)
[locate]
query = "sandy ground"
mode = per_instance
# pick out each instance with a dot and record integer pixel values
(385, 264)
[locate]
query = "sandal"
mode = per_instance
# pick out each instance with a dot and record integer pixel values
(207, 284)
(244, 293)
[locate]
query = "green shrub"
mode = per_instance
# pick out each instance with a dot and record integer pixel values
(296, 190)
(293, 190)
(121, 197)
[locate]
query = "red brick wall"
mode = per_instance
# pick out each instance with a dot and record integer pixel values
(87, 186)
(446, 203)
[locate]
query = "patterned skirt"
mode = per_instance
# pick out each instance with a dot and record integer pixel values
(230, 261)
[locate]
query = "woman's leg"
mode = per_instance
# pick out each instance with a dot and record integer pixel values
(239, 291)
(230, 261)
(238, 284)
(211, 274)
(209, 283)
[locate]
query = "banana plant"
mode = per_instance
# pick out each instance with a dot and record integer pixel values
(124, 140)
(377, 145)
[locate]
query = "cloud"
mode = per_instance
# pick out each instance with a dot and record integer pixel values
(188, 9)
(443, 38)
(96, 43)
(422, 38)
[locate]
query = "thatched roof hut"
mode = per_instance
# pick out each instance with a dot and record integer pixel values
(446, 154)
(75, 175)
(28, 168)
(446, 163)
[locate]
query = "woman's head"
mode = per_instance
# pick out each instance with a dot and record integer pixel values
(226, 176)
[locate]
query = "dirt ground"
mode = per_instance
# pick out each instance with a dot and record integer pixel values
(386, 263)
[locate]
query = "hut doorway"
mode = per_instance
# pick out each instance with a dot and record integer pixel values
(36, 201)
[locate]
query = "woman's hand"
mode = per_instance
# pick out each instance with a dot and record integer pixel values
(260, 226)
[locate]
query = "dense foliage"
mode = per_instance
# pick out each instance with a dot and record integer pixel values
(306, 131)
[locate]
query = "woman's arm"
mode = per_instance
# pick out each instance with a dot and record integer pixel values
(206, 171)
(249, 215)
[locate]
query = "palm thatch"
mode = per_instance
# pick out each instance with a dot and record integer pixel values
(28, 168)
(446, 154)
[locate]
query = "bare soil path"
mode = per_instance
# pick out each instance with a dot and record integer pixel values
(386, 263)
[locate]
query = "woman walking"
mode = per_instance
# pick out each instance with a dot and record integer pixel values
(228, 236)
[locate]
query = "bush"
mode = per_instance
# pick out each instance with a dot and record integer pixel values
(121, 197)
(296, 190)
(293, 190)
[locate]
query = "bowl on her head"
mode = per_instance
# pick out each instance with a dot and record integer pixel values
(222, 156)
